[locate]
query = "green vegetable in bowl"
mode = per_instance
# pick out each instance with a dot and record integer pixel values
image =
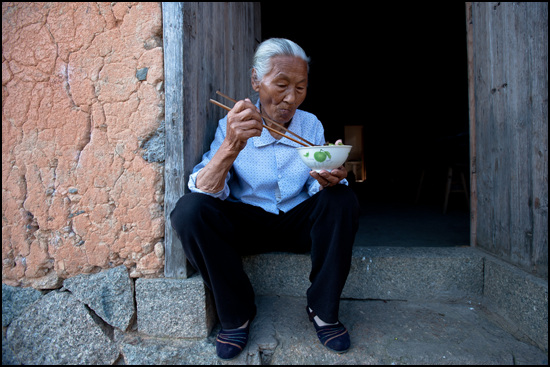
(338, 142)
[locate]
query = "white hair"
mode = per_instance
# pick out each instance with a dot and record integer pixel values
(271, 48)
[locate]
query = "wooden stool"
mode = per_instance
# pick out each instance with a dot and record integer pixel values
(454, 186)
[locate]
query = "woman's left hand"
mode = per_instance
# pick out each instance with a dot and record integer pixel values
(327, 179)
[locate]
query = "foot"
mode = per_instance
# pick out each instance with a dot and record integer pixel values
(230, 343)
(335, 337)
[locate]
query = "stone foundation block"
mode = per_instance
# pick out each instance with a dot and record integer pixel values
(58, 329)
(378, 273)
(519, 298)
(174, 308)
(415, 273)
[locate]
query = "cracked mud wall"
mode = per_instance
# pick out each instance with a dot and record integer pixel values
(82, 96)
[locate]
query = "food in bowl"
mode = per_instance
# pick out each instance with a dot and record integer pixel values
(324, 157)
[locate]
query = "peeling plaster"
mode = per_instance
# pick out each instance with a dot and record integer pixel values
(77, 193)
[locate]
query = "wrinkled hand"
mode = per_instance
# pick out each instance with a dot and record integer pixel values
(327, 179)
(243, 122)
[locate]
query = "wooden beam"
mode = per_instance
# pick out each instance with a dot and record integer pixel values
(175, 262)
(472, 112)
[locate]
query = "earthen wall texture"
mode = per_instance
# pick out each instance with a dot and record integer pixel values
(82, 93)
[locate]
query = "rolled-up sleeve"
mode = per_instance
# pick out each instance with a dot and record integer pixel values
(223, 194)
(218, 140)
(313, 187)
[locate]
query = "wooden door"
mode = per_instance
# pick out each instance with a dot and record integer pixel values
(508, 62)
(208, 46)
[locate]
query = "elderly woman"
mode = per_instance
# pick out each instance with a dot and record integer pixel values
(252, 194)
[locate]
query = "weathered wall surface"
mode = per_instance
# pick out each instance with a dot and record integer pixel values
(510, 55)
(82, 99)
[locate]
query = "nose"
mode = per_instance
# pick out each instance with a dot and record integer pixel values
(290, 96)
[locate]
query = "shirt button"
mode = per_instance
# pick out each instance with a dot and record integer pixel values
(280, 177)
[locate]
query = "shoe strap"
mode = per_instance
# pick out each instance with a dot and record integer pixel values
(328, 333)
(235, 337)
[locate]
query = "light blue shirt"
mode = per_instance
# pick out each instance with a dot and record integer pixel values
(268, 172)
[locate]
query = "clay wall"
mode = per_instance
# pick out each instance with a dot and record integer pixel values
(82, 140)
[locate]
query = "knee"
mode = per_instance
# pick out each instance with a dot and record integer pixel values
(341, 196)
(340, 202)
(189, 208)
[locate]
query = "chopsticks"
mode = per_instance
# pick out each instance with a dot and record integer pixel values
(265, 125)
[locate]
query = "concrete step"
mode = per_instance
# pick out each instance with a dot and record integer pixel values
(401, 306)
(388, 273)
(382, 332)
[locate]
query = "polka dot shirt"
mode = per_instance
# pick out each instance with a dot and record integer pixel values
(268, 172)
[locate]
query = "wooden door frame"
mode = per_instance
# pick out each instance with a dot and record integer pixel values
(175, 263)
(174, 171)
(472, 132)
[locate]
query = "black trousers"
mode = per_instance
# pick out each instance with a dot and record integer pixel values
(215, 234)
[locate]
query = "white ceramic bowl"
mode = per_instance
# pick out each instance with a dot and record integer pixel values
(324, 157)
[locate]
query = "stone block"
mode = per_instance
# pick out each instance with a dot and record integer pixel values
(109, 293)
(279, 273)
(174, 308)
(519, 298)
(161, 351)
(15, 300)
(378, 273)
(58, 329)
(415, 273)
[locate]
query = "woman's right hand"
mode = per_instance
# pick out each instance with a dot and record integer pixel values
(243, 122)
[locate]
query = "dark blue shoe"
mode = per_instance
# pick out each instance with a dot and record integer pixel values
(230, 343)
(334, 337)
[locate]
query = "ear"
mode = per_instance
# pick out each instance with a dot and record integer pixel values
(255, 81)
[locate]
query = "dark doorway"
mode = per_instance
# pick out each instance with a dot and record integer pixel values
(400, 71)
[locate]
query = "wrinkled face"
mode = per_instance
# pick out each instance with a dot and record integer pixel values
(283, 89)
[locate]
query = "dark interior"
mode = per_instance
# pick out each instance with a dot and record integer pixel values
(400, 71)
